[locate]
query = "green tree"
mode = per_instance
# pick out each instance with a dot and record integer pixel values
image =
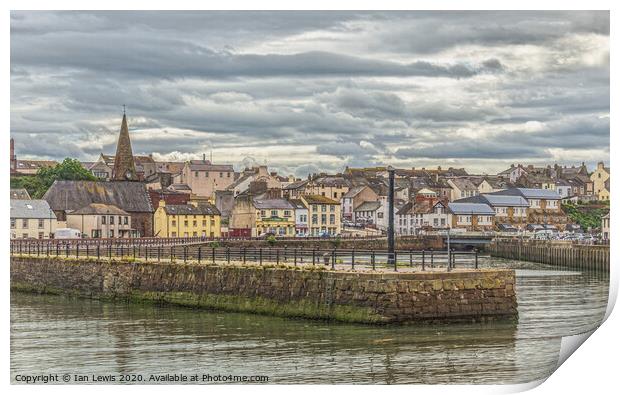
(37, 185)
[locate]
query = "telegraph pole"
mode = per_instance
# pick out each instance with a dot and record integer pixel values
(390, 233)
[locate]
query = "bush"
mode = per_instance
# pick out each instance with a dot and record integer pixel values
(336, 242)
(214, 244)
(271, 240)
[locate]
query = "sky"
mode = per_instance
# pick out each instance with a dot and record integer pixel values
(315, 91)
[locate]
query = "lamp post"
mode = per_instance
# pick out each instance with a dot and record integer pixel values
(390, 235)
(449, 251)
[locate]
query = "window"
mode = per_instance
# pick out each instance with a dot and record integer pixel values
(228, 174)
(196, 174)
(335, 195)
(111, 233)
(185, 223)
(41, 235)
(126, 220)
(206, 174)
(174, 234)
(315, 219)
(111, 220)
(221, 174)
(103, 218)
(323, 218)
(12, 223)
(25, 223)
(24, 235)
(195, 223)
(274, 213)
(204, 222)
(174, 223)
(41, 223)
(195, 234)
(332, 208)
(262, 213)
(287, 213)
(323, 208)
(332, 219)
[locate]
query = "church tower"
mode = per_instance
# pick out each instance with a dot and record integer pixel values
(124, 166)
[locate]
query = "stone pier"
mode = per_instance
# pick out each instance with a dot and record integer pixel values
(314, 293)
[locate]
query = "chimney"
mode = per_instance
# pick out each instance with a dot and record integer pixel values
(162, 202)
(204, 157)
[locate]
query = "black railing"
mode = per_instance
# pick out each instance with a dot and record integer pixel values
(334, 258)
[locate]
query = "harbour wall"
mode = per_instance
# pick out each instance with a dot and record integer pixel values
(559, 254)
(361, 297)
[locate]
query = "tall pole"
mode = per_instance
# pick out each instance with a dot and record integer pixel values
(390, 235)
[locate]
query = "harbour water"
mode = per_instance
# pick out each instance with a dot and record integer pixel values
(57, 334)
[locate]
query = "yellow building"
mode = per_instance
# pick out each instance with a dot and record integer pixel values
(323, 215)
(600, 179)
(275, 216)
(187, 220)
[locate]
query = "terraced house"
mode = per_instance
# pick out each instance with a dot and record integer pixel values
(509, 209)
(204, 178)
(323, 215)
(187, 220)
(471, 216)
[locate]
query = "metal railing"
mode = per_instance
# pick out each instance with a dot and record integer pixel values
(335, 259)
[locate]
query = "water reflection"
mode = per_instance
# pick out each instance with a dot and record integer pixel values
(60, 334)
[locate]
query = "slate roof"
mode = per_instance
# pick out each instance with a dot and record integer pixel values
(205, 165)
(188, 209)
(298, 204)
(368, 206)
(21, 208)
(354, 191)
(72, 195)
(406, 209)
(496, 200)
(99, 208)
(295, 185)
(463, 184)
(470, 208)
(530, 193)
(272, 203)
(20, 193)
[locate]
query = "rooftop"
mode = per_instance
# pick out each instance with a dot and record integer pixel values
(99, 208)
(189, 209)
(470, 208)
(31, 209)
(318, 199)
(368, 206)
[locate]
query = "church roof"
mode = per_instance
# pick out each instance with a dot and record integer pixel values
(124, 165)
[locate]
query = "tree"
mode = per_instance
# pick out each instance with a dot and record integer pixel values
(37, 185)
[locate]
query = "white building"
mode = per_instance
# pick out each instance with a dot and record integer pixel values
(32, 219)
(301, 217)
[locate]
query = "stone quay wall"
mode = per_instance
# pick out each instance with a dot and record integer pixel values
(402, 243)
(555, 253)
(362, 297)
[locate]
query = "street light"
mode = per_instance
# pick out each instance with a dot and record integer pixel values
(390, 235)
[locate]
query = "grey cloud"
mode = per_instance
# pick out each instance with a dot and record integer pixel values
(198, 79)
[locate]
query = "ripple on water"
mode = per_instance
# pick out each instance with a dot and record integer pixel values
(58, 334)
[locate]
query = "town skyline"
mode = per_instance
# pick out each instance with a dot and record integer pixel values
(311, 92)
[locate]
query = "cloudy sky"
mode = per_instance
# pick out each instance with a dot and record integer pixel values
(308, 91)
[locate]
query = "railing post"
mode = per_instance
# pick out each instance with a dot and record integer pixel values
(260, 256)
(353, 259)
(476, 258)
(334, 259)
(87, 250)
(134, 252)
(411, 258)
(67, 250)
(277, 256)
(184, 254)
(395, 261)
(244, 254)
(98, 251)
(295, 256)
(171, 253)
(199, 254)
(372, 259)
(228, 254)
(313, 255)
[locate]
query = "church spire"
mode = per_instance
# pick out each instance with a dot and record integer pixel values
(124, 166)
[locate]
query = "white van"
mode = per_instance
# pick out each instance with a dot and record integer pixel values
(67, 233)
